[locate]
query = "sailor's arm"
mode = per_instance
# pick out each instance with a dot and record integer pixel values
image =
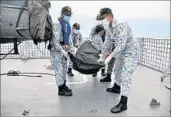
(106, 44)
(80, 40)
(120, 39)
(57, 35)
(71, 46)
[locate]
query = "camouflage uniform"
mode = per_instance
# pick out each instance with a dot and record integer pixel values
(77, 41)
(109, 48)
(125, 52)
(110, 66)
(98, 43)
(58, 61)
(96, 39)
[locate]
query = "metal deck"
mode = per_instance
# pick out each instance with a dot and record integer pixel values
(39, 95)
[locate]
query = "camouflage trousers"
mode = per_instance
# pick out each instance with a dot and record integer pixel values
(110, 66)
(59, 65)
(70, 64)
(124, 69)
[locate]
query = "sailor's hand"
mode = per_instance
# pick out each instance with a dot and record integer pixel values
(101, 58)
(66, 47)
(108, 59)
(64, 53)
(106, 55)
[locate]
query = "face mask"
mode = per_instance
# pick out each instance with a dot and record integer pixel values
(67, 18)
(105, 23)
(76, 31)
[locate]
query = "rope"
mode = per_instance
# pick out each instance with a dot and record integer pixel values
(168, 88)
(18, 73)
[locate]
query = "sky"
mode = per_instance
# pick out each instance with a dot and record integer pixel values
(146, 18)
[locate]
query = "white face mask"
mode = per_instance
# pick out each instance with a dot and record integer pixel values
(76, 31)
(105, 23)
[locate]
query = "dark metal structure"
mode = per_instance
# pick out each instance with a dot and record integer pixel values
(18, 21)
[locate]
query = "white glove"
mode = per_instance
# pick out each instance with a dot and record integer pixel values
(108, 59)
(64, 53)
(101, 58)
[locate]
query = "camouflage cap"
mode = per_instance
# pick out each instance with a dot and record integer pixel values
(67, 11)
(99, 28)
(76, 26)
(103, 11)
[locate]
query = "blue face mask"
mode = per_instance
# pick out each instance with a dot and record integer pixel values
(67, 18)
(76, 31)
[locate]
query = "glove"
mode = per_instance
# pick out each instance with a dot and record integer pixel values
(108, 59)
(101, 58)
(64, 53)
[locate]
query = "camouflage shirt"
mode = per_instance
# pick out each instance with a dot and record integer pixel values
(77, 39)
(96, 39)
(120, 35)
(57, 38)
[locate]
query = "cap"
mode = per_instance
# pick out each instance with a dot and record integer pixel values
(103, 11)
(99, 28)
(76, 26)
(66, 10)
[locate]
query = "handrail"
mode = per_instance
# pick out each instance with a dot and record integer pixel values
(154, 53)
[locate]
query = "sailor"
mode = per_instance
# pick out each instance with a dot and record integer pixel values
(77, 41)
(61, 43)
(125, 53)
(97, 36)
(98, 44)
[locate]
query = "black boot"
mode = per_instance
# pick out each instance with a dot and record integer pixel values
(121, 106)
(106, 79)
(103, 72)
(115, 89)
(63, 92)
(70, 72)
(94, 75)
(66, 87)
